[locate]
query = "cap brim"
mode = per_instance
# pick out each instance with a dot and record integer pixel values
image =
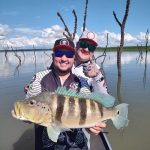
(89, 40)
(63, 47)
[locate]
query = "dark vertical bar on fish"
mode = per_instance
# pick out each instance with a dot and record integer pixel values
(71, 106)
(60, 107)
(83, 110)
(92, 105)
(100, 109)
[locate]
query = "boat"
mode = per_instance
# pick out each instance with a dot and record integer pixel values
(100, 142)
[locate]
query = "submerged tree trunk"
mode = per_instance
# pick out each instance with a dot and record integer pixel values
(122, 27)
(145, 68)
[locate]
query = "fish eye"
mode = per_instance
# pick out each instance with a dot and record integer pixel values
(118, 112)
(32, 102)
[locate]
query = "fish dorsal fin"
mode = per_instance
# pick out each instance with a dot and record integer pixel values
(105, 99)
(66, 92)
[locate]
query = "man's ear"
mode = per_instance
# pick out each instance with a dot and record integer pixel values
(53, 56)
(91, 55)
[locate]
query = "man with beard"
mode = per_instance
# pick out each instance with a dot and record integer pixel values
(84, 65)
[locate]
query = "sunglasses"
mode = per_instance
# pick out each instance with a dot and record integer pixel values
(60, 53)
(90, 47)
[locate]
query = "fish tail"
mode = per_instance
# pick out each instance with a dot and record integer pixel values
(121, 120)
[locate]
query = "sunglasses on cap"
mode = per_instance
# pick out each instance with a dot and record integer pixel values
(67, 53)
(90, 47)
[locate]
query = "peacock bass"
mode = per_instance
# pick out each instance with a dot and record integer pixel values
(65, 109)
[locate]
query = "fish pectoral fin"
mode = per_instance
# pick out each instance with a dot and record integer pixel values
(53, 133)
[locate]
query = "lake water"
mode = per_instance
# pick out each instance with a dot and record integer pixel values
(134, 90)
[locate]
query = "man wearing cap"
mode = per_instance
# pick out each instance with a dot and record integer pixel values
(60, 74)
(84, 65)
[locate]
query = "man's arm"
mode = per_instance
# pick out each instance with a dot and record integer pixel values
(98, 81)
(34, 87)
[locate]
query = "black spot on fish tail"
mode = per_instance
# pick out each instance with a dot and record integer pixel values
(60, 107)
(83, 110)
(71, 106)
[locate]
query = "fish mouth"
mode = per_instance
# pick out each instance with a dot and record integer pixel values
(16, 112)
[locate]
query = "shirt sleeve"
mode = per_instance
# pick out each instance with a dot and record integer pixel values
(85, 88)
(99, 84)
(35, 84)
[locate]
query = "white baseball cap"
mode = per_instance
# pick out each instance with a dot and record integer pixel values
(90, 37)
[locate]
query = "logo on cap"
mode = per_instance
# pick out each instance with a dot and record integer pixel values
(64, 42)
(90, 35)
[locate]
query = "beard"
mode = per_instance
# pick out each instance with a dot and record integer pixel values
(62, 72)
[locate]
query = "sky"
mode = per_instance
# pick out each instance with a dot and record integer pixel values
(28, 23)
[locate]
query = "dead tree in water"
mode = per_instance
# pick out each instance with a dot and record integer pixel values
(145, 68)
(67, 33)
(122, 26)
(15, 53)
(140, 57)
(6, 51)
(104, 53)
(19, 58)
(85, 15)
(34, 58)
(146, 41)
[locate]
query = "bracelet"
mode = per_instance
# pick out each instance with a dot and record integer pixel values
(100, 80)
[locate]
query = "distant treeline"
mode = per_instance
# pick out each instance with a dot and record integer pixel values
(25, 50)
(125, 48)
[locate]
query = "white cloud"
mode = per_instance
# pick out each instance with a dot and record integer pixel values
(54, 31)
(4, 29)
(27, 37)
(141, 36)
(27, 30)
(114, 39)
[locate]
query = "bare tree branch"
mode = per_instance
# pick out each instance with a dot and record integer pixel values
(122, 28)
(104, 53)
(126, 12)
(85, 15)
(15, 53)
(66, 28)
(67, 36)
(75, 24)
(115, 16)
(147, 37)
(140, 57)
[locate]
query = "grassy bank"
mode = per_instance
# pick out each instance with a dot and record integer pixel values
(126, 48)
(109, 49)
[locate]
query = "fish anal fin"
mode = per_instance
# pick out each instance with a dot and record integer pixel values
(53, 133)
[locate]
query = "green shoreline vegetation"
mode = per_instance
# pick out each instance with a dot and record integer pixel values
(109, 49)
(125, 48)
